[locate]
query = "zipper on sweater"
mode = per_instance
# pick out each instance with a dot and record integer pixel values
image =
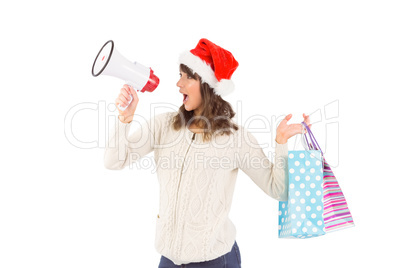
(177, 196)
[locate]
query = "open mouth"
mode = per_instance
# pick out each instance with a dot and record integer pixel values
(185, 98)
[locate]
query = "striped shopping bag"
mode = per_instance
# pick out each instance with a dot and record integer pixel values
(336, 214)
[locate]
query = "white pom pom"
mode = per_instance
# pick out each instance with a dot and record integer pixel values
(224, 87)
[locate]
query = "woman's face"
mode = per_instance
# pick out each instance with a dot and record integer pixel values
(190, 88)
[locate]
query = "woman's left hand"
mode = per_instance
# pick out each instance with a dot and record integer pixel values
(285, 131)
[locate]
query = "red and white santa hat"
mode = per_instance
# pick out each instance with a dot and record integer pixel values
(214, 64)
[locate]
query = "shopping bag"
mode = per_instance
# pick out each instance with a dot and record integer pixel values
(337, 215)
(332, 210)
(302, 215)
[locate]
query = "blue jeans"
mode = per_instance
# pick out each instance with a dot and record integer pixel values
(231, 259)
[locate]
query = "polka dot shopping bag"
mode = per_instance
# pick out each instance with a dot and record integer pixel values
(316, 204)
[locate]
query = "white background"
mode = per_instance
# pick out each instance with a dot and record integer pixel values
(59, 206)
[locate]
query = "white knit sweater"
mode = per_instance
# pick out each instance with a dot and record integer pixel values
(197, 181)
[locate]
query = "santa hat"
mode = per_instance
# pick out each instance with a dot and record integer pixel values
(214, 64)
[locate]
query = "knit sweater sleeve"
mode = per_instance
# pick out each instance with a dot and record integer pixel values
(123, 149)
(272, 178)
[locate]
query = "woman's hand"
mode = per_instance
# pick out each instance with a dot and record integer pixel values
(127, 115)
(285, 131)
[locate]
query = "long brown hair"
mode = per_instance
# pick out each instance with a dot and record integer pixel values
(216, 113)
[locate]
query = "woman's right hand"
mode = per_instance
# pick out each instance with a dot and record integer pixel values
(127, 115)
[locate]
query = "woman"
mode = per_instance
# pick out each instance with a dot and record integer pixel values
(193, 228)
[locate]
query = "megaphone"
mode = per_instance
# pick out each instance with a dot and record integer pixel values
(110, 62)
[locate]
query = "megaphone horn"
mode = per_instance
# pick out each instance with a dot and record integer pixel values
(110, 62)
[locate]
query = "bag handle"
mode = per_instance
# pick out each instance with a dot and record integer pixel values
(314, 144)
(307, 146)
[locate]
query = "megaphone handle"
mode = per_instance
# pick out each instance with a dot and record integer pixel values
(121, 108)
